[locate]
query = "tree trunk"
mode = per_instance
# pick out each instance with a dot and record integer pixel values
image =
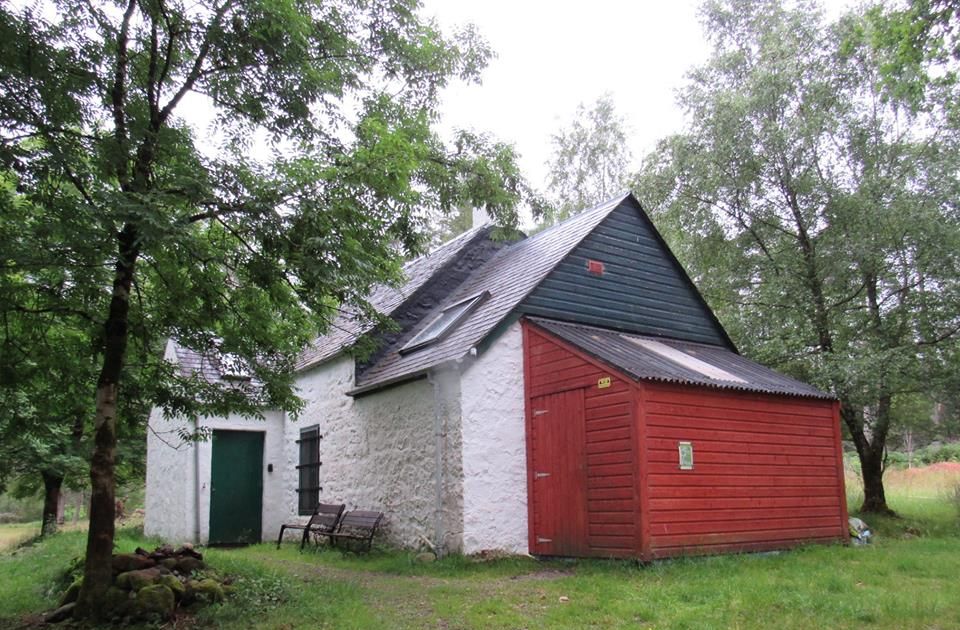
(52, 484)
(81, 501)
(870, 455)
(874, 498)
(98, 571)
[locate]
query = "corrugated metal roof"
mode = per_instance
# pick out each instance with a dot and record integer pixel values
(346, 329)
(636, 356)
(509, 277)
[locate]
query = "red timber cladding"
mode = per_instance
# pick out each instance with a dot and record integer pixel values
(612, 479)
(767, 471)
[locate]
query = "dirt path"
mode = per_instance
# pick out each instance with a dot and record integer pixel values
(407, 600)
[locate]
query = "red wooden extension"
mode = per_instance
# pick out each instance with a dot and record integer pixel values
(603, 471)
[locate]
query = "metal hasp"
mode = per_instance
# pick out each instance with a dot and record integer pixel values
(540, 475)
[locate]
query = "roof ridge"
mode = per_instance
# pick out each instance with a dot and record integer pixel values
(615, 200)
(465, 235)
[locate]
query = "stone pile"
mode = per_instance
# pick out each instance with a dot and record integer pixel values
(150, 584)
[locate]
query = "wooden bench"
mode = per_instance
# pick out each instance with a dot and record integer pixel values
(324, 520)
(358, 525)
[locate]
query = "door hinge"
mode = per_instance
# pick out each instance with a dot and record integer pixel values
(538, 475)
(540, 412)
(541, 540)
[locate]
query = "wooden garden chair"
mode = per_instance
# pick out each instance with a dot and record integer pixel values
(324, 521)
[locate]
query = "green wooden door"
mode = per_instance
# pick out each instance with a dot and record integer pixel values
(236, 487)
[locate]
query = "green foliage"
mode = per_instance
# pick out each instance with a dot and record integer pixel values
(15, 509)
(120, 231)
(930, 454)
(590, 160)
(816, 216)
(234, 255)
(918, 47)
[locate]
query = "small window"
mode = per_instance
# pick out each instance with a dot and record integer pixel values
(233, 368)
(308, 489)
(686, 456)
(444, 322)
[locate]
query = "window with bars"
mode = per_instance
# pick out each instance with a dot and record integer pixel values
(308, 489)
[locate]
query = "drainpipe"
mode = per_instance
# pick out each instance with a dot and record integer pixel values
(196, 482)
(437, 465)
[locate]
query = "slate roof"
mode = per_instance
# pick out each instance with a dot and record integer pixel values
(617, 350)
(191, 362)
(213, 369)
(345, 329)
(509, 277)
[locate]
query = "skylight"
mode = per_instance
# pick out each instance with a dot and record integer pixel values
(233, 368)
(446, 321)
(685, 360)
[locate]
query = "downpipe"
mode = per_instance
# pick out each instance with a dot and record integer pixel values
(196, 482)
(438, 452)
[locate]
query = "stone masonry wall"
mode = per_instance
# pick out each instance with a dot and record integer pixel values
(378, 450)
(172, 482)
(494, 448)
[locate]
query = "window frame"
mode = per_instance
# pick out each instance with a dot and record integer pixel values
(307, 503)
(421, 341)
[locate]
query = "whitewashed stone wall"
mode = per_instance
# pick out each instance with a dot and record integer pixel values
(378, 451)
(173, 483)
(169, 507)
(494, 448)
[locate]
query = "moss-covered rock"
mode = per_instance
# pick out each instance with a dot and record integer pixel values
(117, 602)
(156, 599)
(72, 592)
(169, 563)
(124, 562)
(189, 564)
(136, 580)
(205, 590)
(175, 585)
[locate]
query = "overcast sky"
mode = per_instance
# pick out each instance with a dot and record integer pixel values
(553, 55)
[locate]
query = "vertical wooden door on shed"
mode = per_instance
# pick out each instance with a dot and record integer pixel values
(559, 475)
(236, 487)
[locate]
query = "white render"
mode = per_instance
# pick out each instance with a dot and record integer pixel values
(494, 448)
(378, 452)
(173, 482)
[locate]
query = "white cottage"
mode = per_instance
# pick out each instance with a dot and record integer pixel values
(433, 428)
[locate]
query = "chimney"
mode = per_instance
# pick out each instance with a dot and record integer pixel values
(480, 217)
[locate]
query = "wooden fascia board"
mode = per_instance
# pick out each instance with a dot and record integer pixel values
(528, 429)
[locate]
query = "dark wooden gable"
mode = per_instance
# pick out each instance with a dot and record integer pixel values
(623, 276)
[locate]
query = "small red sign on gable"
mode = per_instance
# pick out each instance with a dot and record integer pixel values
(595, 267)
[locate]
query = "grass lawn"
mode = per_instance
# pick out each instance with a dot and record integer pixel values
(907, 579)
(12, 534)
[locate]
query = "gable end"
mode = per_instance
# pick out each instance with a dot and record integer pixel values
(623, 276)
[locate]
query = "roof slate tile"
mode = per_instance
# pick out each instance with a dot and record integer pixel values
(509, 276)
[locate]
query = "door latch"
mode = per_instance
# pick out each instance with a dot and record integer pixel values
(541, 540)
(540, 412)
(538, 475)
